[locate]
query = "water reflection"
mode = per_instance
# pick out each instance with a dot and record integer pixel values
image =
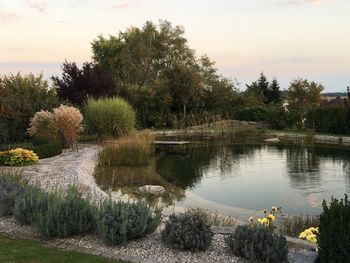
(303, 168)
(126, 180)
(256, 176)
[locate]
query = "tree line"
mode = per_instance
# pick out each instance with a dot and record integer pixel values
(155, 70)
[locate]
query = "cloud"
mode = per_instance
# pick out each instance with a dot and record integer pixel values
(121, 6)
(39, 6)
(9, 16)
(298, 2)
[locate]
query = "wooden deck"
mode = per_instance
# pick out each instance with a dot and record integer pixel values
(171, 142)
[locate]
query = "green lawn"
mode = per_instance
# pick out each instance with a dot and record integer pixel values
(28, 251)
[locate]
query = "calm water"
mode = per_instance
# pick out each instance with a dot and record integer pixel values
(257, 177)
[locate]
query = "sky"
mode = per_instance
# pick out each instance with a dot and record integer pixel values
(286, 39)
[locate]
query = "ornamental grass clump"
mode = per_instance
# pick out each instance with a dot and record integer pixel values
(64, 215)
(10, 188)
(109, 117)
(187, 231)
(119, 222)
(18, 157)
(258, 244)
(64, 124)
(334, 231)
(134, 149)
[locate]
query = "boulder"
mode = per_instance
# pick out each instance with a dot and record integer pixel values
(272, 140)
(152, 189)
(304, 256)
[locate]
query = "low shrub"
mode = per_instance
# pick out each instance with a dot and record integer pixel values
(48, 149)
(334, 231)
(119, 222)
(258, 244)
(10, 188)
(109, 117)
(18, 157)
(134, 149)
(67, 214)
(28, 205)
(187, 231)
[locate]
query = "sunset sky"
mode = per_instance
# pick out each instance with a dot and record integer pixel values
(286, 39)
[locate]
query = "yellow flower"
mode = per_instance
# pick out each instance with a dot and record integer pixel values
(311, 238)
(265, 221)
(271, 217)
(313, 230)
(302, 235)
(308, 232)
(260, 221)
(265, 211)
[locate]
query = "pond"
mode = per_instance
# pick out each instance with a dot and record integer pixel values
(240, 179)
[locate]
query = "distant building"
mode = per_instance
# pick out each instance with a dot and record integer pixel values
(333, 101)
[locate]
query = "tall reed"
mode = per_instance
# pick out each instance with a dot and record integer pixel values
(134, 149)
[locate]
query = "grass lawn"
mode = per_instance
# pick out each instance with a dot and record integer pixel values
(28, 251)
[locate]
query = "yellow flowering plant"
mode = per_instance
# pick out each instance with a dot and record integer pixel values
(309, 234)
(18, 157)
(268, 219)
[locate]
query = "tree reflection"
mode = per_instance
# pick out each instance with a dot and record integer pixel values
(303, 168)
(185, 167)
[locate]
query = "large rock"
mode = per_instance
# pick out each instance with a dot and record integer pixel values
(304, 256)
(152, 189)
(272, 140)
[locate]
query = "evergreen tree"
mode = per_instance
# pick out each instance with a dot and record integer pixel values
(274, 93)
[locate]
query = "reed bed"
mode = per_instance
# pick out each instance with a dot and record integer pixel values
(134, 149)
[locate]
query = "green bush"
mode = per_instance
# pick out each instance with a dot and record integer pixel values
(258, 244)
(48, 149)
(10, 189)
(329, 119)
(111, 117)
(187, 231)
(119, 222)
(22, 96)
(28, 205)
(67, 214)
(334, 236)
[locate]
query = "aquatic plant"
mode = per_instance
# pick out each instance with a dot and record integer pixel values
(134, 149)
